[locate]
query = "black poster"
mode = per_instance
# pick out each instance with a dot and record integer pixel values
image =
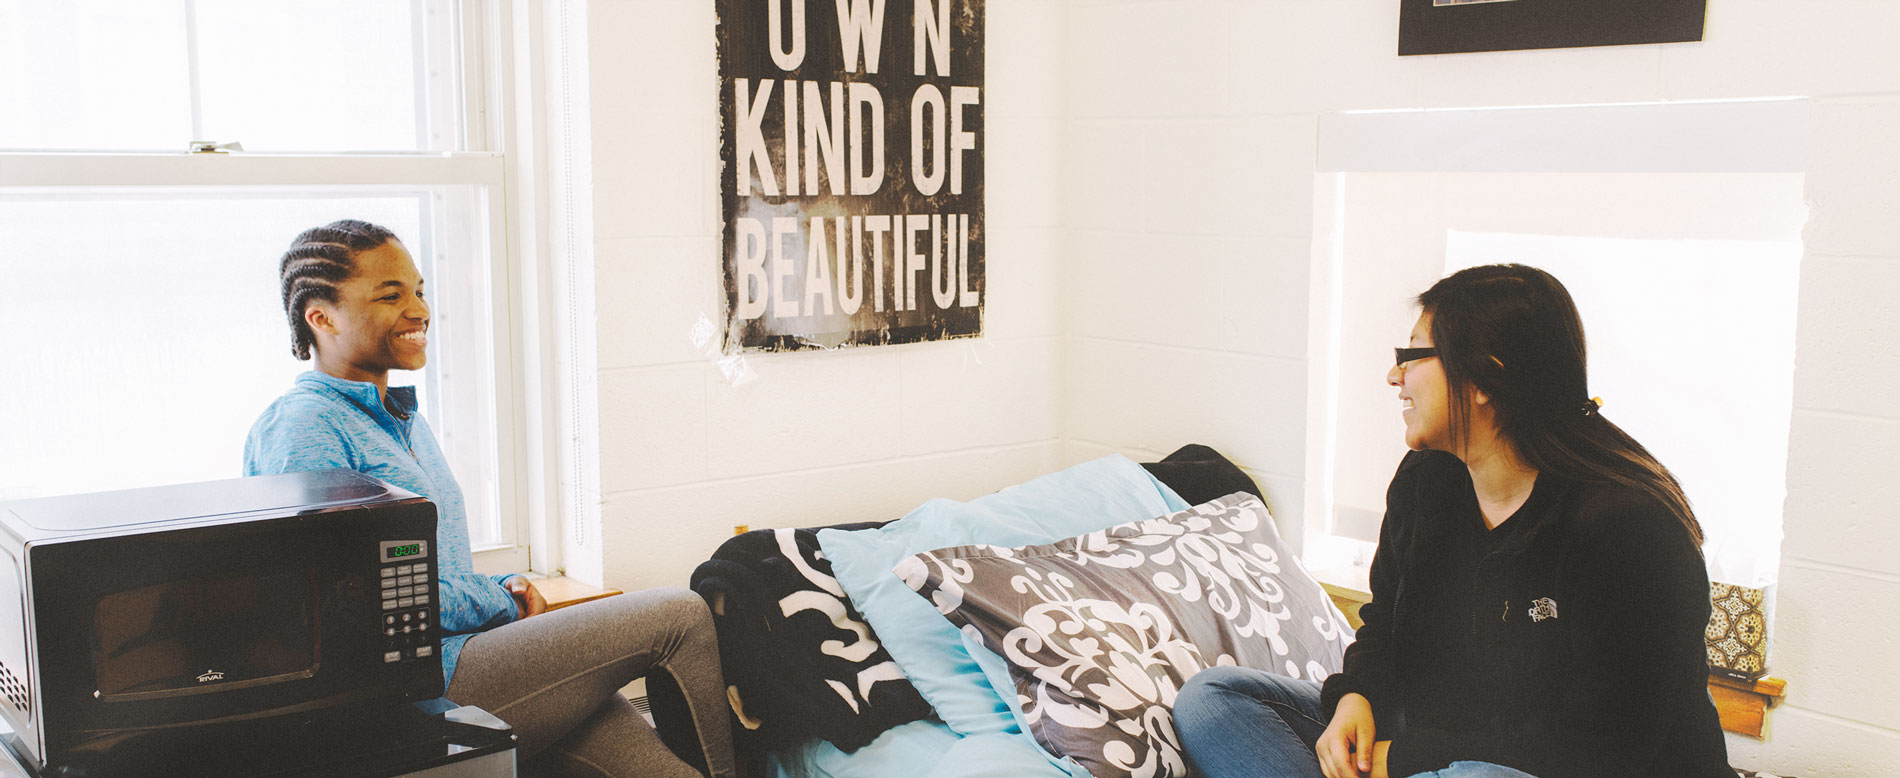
(1453, 26)
(851, 187)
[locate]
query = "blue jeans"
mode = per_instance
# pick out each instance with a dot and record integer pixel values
(1236, 722)
(1474, 770)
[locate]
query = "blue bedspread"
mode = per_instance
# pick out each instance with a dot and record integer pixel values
(983, 736)
(923, 749)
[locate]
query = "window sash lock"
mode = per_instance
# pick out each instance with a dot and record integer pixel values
(214, 147)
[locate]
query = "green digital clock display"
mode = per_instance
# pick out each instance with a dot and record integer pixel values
(398, 552)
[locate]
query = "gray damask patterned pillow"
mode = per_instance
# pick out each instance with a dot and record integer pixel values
(1100, 631)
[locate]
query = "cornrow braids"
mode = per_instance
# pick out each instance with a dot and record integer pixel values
(318, 261)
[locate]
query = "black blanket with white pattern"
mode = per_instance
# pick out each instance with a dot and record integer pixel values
(799, 659)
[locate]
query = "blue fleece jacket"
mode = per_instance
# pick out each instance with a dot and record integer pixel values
(325, 421)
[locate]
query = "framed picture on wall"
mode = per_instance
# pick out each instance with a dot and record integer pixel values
(1456, 26)
(852, 158)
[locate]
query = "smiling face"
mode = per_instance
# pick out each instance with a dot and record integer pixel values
(1424, 394)
(379, 321)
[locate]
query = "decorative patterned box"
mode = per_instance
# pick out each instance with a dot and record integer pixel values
(1737, 632)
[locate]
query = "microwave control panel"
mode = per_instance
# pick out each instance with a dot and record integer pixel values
(408, 609)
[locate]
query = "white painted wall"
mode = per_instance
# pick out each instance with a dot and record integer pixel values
(1189, 216)
(1192, 144)
(1150, 177)
(818, 438)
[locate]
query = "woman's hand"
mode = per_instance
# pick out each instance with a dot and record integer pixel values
(1346, 748)
(527, 597)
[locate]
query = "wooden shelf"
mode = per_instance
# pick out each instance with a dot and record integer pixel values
(1743, 705)
(1348, 602)
(1349, 589)
(563, 591)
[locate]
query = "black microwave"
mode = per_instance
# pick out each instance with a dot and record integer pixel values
(154, 626)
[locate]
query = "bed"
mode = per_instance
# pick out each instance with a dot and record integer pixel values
(1040, 631)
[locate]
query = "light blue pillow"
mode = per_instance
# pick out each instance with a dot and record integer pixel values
(1090, 496)
(923, 749)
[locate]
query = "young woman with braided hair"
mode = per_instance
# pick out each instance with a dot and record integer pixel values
(1538, 594)
(355, 303)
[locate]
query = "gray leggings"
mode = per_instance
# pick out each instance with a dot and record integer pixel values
(556, 679)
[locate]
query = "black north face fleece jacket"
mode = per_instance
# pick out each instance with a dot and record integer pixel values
(1585, 656)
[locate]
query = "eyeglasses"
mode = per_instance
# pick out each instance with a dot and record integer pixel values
(1405, 355)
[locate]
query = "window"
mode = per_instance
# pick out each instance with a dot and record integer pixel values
(140, 321)
(1682, 253)
(299, 75)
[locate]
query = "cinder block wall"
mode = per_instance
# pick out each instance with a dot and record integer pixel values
(1193, 145)
(1150, 169)
(818, 438)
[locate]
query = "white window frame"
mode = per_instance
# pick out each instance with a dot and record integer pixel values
(492, 43)
(1748, 135)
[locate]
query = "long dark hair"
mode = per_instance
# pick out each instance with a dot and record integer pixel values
(318, 261)
(1513, 333)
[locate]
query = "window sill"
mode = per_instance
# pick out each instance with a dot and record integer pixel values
(1741, 705)
(561, 592)
(498, 560)
(1349, 589)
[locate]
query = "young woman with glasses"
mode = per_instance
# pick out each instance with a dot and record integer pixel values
(1538, 594)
